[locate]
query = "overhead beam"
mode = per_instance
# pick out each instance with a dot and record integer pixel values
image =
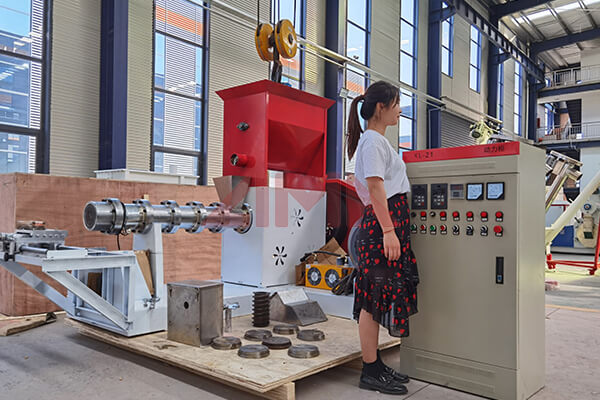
(561, 23)
(588, 14)
(569, 89)
(566, 40)
(514, 6)
(468, 13)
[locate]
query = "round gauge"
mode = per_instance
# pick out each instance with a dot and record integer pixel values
(495, 191)
(475, 191)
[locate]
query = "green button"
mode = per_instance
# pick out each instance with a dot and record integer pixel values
(432, 228)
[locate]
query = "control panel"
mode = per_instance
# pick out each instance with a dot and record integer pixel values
(482, 200)
(477, 233)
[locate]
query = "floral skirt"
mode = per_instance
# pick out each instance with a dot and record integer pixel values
(386, 289)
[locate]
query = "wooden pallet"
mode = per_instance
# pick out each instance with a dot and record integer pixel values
(12, 325)
(272, 377)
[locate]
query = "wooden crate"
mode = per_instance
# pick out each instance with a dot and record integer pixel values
(59, 201)
(271, 377)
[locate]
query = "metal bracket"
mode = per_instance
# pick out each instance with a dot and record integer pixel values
(151, 302)
(90, 297)
(29, 278)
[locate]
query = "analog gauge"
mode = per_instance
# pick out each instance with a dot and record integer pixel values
(495, 191)
(475, 191)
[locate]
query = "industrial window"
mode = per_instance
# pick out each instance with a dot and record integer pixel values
(408, 42)
(549, 118)
(447, 43)
(500, 110)
(475, 60)
(178, 134)
(358, 35)
(294, 10)
(407, 122)
(518, 97)
(22, 86)
(408, 73)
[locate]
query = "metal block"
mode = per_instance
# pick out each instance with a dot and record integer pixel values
(294, 307)
(195, 311)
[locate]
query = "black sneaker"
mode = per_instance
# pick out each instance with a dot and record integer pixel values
(384, 383)
(398, 377)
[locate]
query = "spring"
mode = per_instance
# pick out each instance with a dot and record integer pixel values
(260, 308)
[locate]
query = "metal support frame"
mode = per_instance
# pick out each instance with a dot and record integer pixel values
(334, 82)
(569, 89)
(532, 104)
(493, 70)
(467, 12)
(113, 85)
(511, 7)
(90, 297)
(434, 73)
(538, 47)
(29, 278)
(56, 263)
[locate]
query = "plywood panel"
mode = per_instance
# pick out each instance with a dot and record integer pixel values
(59, 201)
(7, 224)
(341, 345)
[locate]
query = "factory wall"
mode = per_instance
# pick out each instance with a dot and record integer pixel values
(139, 84)
(75, 87)
(232, 61)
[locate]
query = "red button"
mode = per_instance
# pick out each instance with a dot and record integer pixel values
(455, 214)
(423, 214)
(443, 227)
(499, 214)
(498, 229)
(423, 227)
(470, 214)
(443, 214)
(484, 214)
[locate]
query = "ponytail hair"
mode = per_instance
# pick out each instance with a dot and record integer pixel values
(378, 92)
(354, 128)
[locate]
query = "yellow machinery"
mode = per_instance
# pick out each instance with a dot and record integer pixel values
(272, 44)
(324, 276)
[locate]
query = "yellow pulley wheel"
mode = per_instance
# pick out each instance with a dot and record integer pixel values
(261, 39)
(285, 38)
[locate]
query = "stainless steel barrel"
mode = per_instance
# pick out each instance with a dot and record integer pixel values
(112, 216)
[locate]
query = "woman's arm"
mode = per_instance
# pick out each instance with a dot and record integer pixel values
(391, 244)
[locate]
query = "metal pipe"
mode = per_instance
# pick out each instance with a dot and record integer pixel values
(36, 250)
(575, 206)
(245, 19)
(111, 216)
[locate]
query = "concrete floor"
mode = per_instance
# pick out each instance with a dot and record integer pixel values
(55, 362)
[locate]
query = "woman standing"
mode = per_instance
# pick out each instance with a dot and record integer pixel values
(385, 288)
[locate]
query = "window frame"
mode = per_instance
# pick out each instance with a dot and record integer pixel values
(500, 106)
(414, 57)
(367, 52)
(41, 134)
(478, 66)
(450, 48)
(301, 33)
(518, 94)
(201, 154)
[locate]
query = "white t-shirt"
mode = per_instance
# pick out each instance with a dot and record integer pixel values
(375, 156)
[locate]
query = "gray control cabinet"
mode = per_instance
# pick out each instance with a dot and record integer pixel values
(480, 325)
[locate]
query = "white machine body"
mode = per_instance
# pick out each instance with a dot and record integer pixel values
(288, 223)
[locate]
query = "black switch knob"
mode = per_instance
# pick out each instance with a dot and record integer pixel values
(469, 230)
(243, 126)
